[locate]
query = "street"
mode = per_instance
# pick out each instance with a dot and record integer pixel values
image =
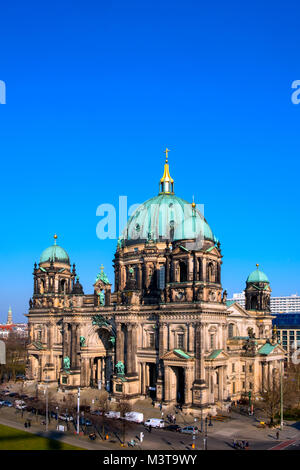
(220, 435)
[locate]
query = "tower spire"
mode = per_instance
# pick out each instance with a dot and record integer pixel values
(166, 184)
(9, 316)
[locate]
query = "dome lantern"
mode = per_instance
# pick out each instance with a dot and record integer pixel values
(166, 184)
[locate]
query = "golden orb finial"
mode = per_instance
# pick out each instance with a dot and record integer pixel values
(193, 203)
(257, 265)
(55, 237)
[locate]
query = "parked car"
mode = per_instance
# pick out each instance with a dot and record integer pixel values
(189, 430)
(13, 394)
(155, 423)
(1, 402)
(21, 407)
(96, 412)
(65, 417)
(20, 377)
(134, 417)
(173, 427)
(24, 396)
(113, 414)
(7, 403)
(85, 422)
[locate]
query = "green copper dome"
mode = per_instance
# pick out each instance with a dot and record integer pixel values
(54, 253)
(257, 276)
(167, 216)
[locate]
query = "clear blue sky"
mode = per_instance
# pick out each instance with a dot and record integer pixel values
(97, 89)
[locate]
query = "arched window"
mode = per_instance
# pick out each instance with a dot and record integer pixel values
(210, 272)
(200, 275)
(253, 304)
(183, 271)
(63, 286)
(230, 330)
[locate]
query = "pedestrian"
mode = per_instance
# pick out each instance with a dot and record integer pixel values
(153, 404)
(277, 435)
(150, 428)
(160, 406)
(25, 424)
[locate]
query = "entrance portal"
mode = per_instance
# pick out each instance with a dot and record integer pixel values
(178, 379)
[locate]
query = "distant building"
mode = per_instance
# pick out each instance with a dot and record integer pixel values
(288, 331)
(21, 329)
(283, 304)
(9, 317)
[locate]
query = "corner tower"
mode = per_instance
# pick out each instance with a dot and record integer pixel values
(258, 291)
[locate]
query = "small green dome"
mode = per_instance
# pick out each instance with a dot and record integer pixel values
(257, 276)
(164, 213)
(55, 253)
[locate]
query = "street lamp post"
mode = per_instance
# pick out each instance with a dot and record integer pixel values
(46, 391)
(201, 410)
(78, 409)
(281, 396)
(205, 435)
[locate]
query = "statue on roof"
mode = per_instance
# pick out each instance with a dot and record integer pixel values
(102, 276)
(66, 363)
(120, 368)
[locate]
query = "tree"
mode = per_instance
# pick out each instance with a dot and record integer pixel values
(15, 357)
(271, 398)
(103, 407)
(124, 407)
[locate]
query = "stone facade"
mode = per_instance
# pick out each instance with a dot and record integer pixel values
(166, 331)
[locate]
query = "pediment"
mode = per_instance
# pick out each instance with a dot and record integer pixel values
(271, 350)
(177, 355)
(217, 355)
(236, 310)
(179, 250)
(35, 345)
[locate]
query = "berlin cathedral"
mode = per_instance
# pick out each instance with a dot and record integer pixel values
(167, 331)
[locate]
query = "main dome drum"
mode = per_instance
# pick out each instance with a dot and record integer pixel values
(167, 217)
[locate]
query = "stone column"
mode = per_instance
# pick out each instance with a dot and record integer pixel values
(191, 344)
(73, 346)
(167, 387)
(188, 397)
(131, 350)
(50, 342)
(167, 271)
(119, 344)
(139, 283)
(65, 340)
(199, 356)
(220, 380)
(143, 378)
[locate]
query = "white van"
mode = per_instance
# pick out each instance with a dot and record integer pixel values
(134, 416)
(155, 423)
(113, 414)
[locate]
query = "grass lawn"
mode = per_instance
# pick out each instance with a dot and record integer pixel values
(14, 439)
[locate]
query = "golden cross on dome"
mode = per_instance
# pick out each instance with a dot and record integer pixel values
(166, 152)
(101, 268)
